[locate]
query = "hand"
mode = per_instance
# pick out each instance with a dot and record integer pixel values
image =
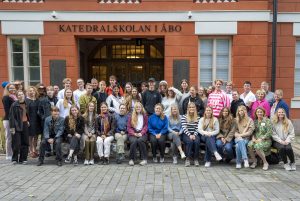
(103, 136)
(78, 136)
(69, 135)
(236, 135)
(89, 134)
(158, 136)
(50, 141)
(223, 140)
(12, 131)
(177, 133)
(122, 133)
(285, 143)
(140, 135)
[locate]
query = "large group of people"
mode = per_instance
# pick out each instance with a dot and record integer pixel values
(222, 122)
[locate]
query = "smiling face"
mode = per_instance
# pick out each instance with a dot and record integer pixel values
(21, 96)
(260, 95)
(31, 92)
(11, 89)
(138, 108)
(128, 88)
(94, 83)
(134, 92)
(193, 91)
(184, 85)
(225, 113)
(158, 110)
(123, 109)
(102, 85)
(208, 112)
(260, 113)
(116, 90)
(80, 83)
(191, 109)
(103, 108)
(68, 85)
(241, 112)
(235, 95)
(174, 111)
(247, 88)
(74, 111)
(280, 114)
(91, 107)
(218, 85)
(68, 93)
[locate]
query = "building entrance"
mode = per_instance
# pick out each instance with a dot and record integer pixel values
(131, 60)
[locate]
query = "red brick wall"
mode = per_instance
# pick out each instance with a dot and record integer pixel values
(3, 66)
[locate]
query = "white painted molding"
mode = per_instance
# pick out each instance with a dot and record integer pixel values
(295, 103)
(180, 16)
(22, 28)
(288, 17)
(216, 28)
(296, 29)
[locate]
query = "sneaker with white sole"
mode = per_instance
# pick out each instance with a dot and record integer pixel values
(86, 162)
(265, 166)
(91, 162)
(196, 163)
(68, 159)
(287, 167)
(238, 166)
(175, 160)
(162, 160)
(187, 163)
(293, 166)
(131, 163)
(183, 156)
(246, 163)
(218, 157)
(207, 164)
(155, 160)
(144, 162)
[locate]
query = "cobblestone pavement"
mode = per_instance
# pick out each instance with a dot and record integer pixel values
(152, 182)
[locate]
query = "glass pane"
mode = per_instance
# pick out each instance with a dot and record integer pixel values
(34, 74)
(222, 47)
(206, 84)
(205, 75)
(17, 45)
(34, 59)
(33, 83)
(103, 52)
(18, 73)
(17, 59)
(205, 62)
(206, 46)
(222, 62)
(297, 89)
(33, 45)
(97, 55)
(298, 47)
(298, 61)
(222, 74)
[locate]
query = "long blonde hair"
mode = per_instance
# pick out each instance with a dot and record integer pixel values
(134, 115)
(86, 113)
(211, 119)
(174, 119)
(191, 118)
(162, 115)
(285, 121)
(72, 119)
(225, 122)
(242, 120)
(66, 100)
(35, 90)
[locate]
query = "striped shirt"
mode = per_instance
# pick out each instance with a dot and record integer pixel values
(217, 100)
(189, 128)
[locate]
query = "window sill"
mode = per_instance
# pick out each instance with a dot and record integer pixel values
(295, 102)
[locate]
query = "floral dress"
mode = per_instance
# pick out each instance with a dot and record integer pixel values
(263, 131)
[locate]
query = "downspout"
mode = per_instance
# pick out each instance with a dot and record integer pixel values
(274, 44)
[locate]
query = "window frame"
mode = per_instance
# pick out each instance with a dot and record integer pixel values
(214, 55)
(25, 51)
(296, 67)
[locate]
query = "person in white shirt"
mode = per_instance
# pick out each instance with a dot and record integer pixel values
(78, 92)
(114, 100)
(67, 85)
(248, 97)
(65, 104)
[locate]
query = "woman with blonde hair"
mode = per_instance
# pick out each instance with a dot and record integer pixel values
(262, 138)
(90, 129)
(65, 104)
(191, 137)
(243, 132)
(158, 130)
(208, 127)
(283, 135)
(175, 131)
(262, 102)
(74, 129)
(35, 123)
(137, 127)
(132, 99)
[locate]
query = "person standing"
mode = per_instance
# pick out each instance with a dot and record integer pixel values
(65, 104)
(132, 99)
(158, 130)
(19, 123)
(56, 90)
(52, 134)
(115, 100)
(101, 95)
(269, 95)
(67, 85)
(218, 99)
(185, 93)
(86, 98)
(95, 86)
(283, 135)
(80, 91)
(35, 123)
(113, 83)
(279, 103)
(151, 97)
(173, 97)
(236, 102)
(248, 97)
(195, 99)
(137, 127)
(9, 97)
(260, 102)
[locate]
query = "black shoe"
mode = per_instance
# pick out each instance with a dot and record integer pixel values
(40, 163)
(106, 161)
(119, 158)
(227, 160)
(101, 162)
(48, 154)
(59, 163)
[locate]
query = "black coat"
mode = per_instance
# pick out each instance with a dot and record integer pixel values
(35, 123)
(150, 99)
(234, 106)
(79, 127)
(100, 97)
(7, 102)
(198, 102)
(44, 109)
(15, 117)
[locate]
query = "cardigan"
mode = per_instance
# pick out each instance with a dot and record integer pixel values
(131, 130)
(280, 135)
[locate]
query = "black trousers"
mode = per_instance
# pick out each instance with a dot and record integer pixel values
(138, 142)
(45, 144)
(285, 151)
(158, 143)
(20, 144)
(74, 144)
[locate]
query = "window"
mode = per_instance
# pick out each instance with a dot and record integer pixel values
(25, 61)
(214, 60)
(297, 71)
(128, 51)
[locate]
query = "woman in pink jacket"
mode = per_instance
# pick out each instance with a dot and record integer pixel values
(260, 102)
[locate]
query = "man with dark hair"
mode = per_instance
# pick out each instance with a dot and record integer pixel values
(53, 131)
(248, 97)
(151, 97)
(112, 83)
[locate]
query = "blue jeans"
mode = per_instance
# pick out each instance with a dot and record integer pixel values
(225, 148)
(192, 147)
(241, 150)
(210, 146)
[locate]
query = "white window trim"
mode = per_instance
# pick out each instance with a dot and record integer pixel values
(295, 102)
(25, 57)
(214, 57)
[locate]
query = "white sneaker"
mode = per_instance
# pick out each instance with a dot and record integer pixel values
(182, 155)
(144, 162)
(246, 163)
(287, 167)
(8, 158)
(174, 159)
(218, 157)
(162, 160)
(238, 166)
(92, 162)
(196, 163)
(265, 166)
(155, 160)
(86, 162)
(293, 166)
(131, 163)
(167, 150)
(207, 164)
